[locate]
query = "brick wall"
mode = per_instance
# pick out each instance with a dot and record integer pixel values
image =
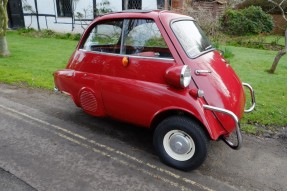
(280, 24)
(216, 8)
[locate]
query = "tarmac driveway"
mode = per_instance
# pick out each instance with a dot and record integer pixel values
(47, 143)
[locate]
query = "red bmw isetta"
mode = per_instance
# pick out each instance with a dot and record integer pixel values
(157, 69)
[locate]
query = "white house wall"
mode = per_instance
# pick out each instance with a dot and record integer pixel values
(64, 24)
(49, 7)
(149, 4)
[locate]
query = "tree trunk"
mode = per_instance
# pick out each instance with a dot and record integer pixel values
(166, 5)
(278, 56)
(4, 46)
(276, 60)
(3, 27)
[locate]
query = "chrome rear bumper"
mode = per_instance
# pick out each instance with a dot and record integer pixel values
(56, 90)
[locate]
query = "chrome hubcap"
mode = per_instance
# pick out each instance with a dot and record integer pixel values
(179, 145)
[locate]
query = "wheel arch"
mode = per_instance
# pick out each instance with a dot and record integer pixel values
(160, 116)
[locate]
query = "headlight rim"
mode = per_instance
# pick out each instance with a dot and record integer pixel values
(183, 76)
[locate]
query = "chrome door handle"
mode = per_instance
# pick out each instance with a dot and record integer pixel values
(198, 72)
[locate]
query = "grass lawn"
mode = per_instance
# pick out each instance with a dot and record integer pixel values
(34, 60)
(270, 89)
(275, 39)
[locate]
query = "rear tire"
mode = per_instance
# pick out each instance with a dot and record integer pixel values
(181, 143)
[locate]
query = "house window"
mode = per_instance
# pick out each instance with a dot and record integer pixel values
(160, 4)
(64, 8)
(131, 4)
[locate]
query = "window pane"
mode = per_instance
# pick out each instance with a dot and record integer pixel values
(105, 37)
(135, 4)
(131, 4)
(64, 8)
(191, 37)
(143, 38)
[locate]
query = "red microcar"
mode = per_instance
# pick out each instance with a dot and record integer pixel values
(157, 69)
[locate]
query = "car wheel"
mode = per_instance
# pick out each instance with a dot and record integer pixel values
(181, 143)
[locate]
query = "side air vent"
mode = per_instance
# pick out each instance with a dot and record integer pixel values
(88, 101)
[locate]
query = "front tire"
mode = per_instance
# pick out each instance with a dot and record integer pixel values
(181, 143)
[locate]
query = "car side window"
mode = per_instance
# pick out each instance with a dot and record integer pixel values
(105, 37)
(143, 38)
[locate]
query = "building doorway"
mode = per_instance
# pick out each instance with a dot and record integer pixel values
(15, 14)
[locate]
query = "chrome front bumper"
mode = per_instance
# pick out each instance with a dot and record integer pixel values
(252, 94)
(235, 118)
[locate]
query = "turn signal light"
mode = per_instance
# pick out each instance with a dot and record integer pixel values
(125, 61)
(196, 93)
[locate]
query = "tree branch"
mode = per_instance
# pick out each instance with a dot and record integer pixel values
(280, 7)
(281, 3)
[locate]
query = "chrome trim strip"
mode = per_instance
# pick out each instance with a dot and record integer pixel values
(252, 94)
(128, 55)
(148, 57)
(66, 93)
(235, 118)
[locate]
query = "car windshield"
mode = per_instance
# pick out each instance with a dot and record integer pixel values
(191, 37)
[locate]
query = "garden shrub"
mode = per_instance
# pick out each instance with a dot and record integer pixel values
(251, 20)
(25, 30)
(264, 4)
(227, 53)
(47, 33)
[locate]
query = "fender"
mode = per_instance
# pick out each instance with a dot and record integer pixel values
(194, 110)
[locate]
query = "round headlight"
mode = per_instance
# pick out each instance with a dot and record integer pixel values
(185, 76)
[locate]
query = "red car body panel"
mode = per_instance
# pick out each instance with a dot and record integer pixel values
(222, 87)
(138, 93)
